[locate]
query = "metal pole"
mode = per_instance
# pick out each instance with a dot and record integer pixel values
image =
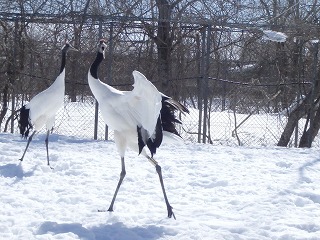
(296, 129)
(96, 114)
(110, 55)
(312, 105)
(224, 87)
(109, 69)
(202, 72)
(96, 107)
(206, 85)
(13, 110)
(199, 85)
(301, 53)
(13, 97)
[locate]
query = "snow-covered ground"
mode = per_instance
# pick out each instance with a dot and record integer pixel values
(217, 192)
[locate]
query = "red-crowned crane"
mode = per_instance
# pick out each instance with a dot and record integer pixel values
(42, 108)
(139, 117)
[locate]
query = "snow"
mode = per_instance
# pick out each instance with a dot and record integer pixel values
(274, 36)
(315, 41)
(217, 192)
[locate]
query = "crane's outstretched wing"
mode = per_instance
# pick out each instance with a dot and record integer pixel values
(145, 102)
(139, 109)
(127, 110)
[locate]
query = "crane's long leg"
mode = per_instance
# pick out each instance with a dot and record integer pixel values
(29, 140)
(47, 147)
(158, 169)
(122, 175)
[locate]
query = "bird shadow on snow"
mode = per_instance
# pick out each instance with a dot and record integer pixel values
(304, 167)
(53, 137)
(116, 230)
(15, 170)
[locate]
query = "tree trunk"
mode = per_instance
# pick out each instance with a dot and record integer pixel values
(311, 133)
(4, 103)
(308, 135)
(164, 44)
(293, 119)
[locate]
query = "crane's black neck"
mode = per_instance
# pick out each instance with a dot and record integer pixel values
(95, 65)
(63, 60)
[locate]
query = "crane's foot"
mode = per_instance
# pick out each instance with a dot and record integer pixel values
(48, 163)
(170, 212)
(50, 166)
(21, 159)
(110, 209)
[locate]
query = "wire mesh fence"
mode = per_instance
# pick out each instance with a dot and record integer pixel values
(235, 118)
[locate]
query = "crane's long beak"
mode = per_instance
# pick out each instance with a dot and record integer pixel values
(73, 49)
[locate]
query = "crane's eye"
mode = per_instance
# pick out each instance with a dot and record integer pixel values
(102, 48)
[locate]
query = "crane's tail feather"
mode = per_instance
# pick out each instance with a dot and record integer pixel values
(178, 106)
(168, 118)
(24, 123)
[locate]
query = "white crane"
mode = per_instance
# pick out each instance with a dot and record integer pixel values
(42, 108)
(139, 117)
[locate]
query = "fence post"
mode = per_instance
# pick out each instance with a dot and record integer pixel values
(296, 129)
(96, 107)
(206, 85)
(109, 69)
(200, 81)
(13, 99)
(314, 80)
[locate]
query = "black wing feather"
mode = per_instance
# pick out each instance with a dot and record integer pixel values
(24, 122)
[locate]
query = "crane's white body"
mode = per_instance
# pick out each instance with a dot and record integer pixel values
(135, 116)
(123, 111)
(44, 106)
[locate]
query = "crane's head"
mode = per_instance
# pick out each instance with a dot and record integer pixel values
(102, 46)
